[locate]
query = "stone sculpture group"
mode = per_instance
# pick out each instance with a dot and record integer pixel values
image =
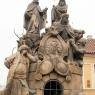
(57, 52)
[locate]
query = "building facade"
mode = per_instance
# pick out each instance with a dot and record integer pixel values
(89, 68)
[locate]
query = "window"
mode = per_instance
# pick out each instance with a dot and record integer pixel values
(53, 87)
(93, 76)
(88, 84)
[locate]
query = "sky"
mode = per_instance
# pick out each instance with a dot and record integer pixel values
(82, 16)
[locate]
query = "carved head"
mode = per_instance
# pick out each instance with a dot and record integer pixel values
(78, 34)
(64, 19)
(24, 49)
(36, 1)
(62, 3)
(82, 42)
(54, 28)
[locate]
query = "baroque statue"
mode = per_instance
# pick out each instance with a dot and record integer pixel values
(58, 11)
(34, 18)
(43, 61)
(18, 65)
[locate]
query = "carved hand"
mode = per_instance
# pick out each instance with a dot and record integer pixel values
(32, 58)
(72, 41)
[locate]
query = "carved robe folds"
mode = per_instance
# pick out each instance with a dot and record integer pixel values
(34, 17)
(18, 70)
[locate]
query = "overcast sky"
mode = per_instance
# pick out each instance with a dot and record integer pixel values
(82, 16)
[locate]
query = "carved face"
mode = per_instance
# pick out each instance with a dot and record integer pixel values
(24, 52)
(61, 3)
(81, 43)
(64, 19)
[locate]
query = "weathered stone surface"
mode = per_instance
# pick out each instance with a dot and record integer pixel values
(58, 11)
(46, 78)
(34, 17)
(61, 79)
(53, 76)
(31, 76)
(74, 84)
(75, 69)
(33, 67)
(67, 92)
(56, 56)
(36, 84)
(39, 92)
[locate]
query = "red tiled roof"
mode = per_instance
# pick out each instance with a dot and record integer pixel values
(90, 46)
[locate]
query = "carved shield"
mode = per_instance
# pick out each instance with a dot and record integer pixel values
(51, 44)
(52, 48)
(61, 69)
(46, 67)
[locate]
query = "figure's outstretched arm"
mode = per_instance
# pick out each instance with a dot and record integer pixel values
(72, 42)
(32, 58)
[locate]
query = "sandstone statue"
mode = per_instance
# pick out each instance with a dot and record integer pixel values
(18, 65)
(30, 39)
(34, 17)
(71, 36)
(55, 57)
(63, 28)
(58, 11)
(78, 50)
